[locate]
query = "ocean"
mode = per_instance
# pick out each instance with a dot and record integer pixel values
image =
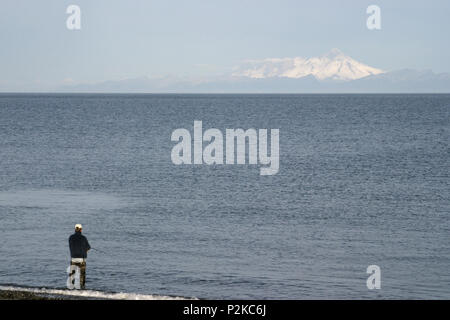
(363, 180)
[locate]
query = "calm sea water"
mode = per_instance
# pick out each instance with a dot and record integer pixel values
(364, 179)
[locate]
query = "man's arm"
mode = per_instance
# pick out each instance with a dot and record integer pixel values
(70, 245)
(88, 247)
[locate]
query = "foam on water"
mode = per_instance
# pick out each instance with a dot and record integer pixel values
(92, 294)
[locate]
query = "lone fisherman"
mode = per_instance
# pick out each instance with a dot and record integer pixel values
(79, 247)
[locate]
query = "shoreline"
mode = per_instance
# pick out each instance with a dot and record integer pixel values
(26, 295)
(44, 294)
(35, 293)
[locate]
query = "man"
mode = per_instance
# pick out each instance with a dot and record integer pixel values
(79, 247)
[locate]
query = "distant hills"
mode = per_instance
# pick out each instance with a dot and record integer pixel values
(333, 72)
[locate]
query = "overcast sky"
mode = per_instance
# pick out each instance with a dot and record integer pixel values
(133, 38)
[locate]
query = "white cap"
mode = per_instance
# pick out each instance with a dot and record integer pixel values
(78, 226)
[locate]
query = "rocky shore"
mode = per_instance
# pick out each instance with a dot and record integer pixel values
(36, 293)
(24, 295)
(27, 295)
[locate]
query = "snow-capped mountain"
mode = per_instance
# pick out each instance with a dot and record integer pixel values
(334, 65)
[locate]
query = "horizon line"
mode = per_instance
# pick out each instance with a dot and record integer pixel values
(218, 93)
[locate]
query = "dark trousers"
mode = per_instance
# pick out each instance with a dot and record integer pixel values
(82, 266)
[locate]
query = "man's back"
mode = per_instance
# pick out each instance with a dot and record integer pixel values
(78, 245)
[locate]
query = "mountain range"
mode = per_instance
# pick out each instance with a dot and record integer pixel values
(333, 72)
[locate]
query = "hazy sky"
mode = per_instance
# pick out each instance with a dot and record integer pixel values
(133, 38)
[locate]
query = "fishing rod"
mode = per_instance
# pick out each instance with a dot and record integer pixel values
(99, 250)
